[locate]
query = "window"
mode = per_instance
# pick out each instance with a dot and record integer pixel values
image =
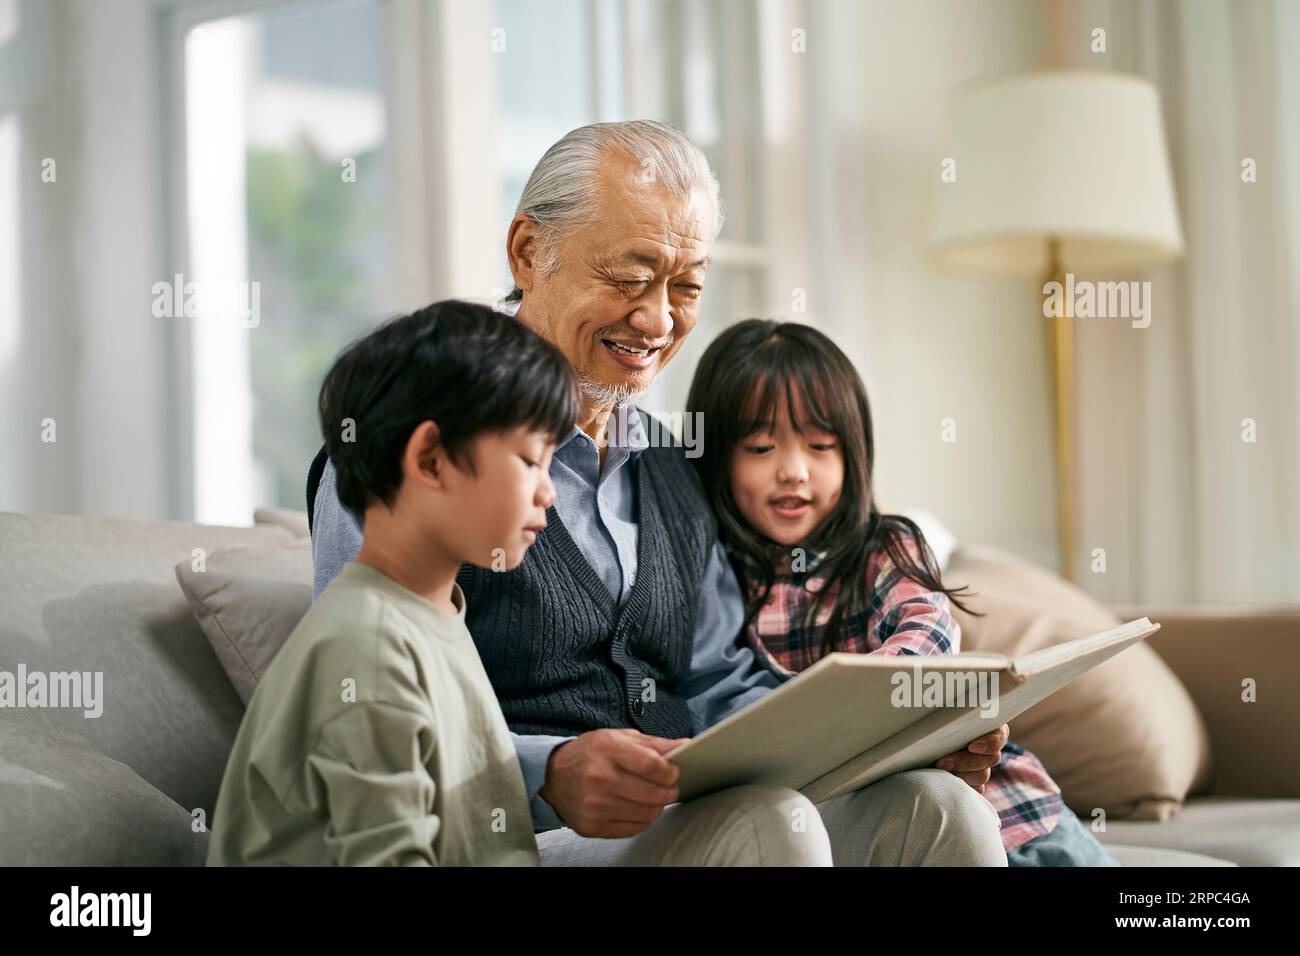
(287, 192)
(316, 133)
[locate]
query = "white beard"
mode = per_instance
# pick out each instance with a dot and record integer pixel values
(610, 395)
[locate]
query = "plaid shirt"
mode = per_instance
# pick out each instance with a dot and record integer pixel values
(904, 618)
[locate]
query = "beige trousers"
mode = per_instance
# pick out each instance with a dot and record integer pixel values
(918, 818)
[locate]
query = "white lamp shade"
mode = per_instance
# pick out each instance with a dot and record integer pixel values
(1074, 156)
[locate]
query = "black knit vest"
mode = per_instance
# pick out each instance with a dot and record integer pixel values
(562, 656)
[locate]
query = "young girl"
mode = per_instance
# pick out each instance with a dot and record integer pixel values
(787, 464)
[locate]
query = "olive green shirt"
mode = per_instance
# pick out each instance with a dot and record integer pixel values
(374, 738)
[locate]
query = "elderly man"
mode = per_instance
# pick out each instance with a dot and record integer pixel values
(620, 633)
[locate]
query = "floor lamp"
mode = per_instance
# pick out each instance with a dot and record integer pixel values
(1049, 174)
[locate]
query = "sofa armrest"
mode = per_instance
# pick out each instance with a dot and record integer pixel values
(1213, 649)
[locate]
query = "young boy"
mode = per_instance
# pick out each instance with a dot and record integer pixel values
(375, 737)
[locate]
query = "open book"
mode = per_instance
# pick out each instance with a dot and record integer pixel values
(851, 719)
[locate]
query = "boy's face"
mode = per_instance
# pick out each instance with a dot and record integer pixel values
(495, 514)
(785, 483)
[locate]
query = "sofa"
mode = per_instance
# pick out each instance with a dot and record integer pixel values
(136, 784)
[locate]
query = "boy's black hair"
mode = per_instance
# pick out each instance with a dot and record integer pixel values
(463, 365)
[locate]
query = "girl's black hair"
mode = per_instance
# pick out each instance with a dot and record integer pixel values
(463, 365)
(742, 375)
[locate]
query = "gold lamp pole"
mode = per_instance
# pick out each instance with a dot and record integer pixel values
(1059, 339)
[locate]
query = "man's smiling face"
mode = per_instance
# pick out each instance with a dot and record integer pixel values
(626, 289)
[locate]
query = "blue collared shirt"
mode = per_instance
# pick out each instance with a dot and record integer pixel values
(599, 508)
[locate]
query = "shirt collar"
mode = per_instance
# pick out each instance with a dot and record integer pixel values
(623, 429)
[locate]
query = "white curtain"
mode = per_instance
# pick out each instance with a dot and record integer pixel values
(1185, 507)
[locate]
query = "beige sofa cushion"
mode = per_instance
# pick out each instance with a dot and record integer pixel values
(1247, 832)
(1151, 856)
(248, 601)
(1125, 737)
(1214, 650)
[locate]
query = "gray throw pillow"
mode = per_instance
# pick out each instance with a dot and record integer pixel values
(248, 601)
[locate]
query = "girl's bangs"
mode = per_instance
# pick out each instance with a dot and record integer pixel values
(793, 386)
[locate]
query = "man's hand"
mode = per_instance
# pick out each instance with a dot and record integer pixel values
(980, 756)
(611, 783)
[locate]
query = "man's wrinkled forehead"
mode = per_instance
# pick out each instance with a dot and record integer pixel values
(653, 256)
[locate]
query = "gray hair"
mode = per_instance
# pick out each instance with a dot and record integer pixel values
(560, 195)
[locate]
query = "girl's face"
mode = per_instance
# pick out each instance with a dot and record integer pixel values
(784, 482)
